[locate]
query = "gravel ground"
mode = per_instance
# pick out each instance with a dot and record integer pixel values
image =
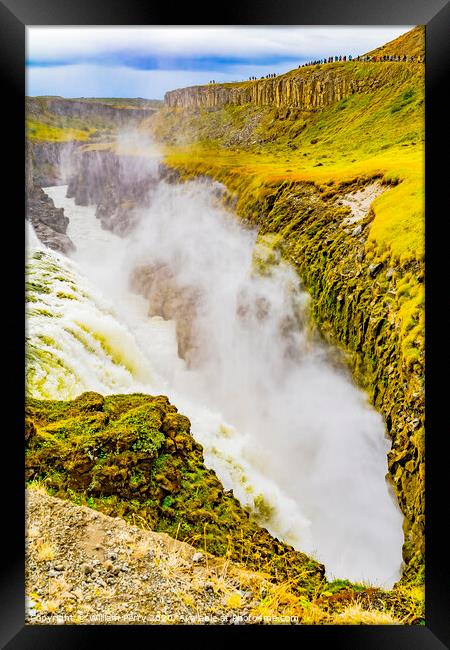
(87, 568)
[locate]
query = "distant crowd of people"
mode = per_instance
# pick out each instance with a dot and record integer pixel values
(272, 75)
(404, 58)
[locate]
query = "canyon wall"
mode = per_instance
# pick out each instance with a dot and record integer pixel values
(42, 169)
(44, 161)
(86, 110)
(116, 184)
(308, 89)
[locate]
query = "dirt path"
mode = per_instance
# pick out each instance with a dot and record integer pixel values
(85, 567)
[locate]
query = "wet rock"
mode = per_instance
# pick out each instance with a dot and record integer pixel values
(390, 274)
(173, 301)
(117, 184)
(44, 162)
(49, 223)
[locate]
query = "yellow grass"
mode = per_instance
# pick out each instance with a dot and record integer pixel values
(399, 212)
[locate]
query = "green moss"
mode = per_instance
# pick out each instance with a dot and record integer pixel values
(133, 456)
(336, 586)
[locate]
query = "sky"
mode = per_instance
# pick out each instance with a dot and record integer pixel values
(148, 61)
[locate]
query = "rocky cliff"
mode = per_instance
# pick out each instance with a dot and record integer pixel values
(116, 184)
(87, 110)
(357, 302)
(45, 161)
(307, 88)
(49, 223)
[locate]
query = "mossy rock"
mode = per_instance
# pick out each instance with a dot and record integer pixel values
(133, 456)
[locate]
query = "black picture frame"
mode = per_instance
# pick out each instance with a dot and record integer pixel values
(14, 16)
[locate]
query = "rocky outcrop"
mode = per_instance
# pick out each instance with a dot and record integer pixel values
(87, 568)
(88, 110)
(133, 456)
(172, 301)
(308, 89)
(49, 223)
(46, 161)
(117, 184)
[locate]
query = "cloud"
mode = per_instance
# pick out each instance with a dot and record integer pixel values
(81, 44)
(128, 61)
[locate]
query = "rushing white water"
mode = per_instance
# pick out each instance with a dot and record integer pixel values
(279, 423)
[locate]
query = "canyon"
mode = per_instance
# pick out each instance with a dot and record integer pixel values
(273, 162)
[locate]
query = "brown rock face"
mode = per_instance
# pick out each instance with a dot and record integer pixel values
(308, 89)
(172, 301)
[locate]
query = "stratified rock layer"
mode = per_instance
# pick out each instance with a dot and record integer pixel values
(307, 89)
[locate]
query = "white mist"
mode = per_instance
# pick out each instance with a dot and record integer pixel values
(276, 418)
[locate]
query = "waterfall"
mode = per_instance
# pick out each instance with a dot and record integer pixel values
(280, 423)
